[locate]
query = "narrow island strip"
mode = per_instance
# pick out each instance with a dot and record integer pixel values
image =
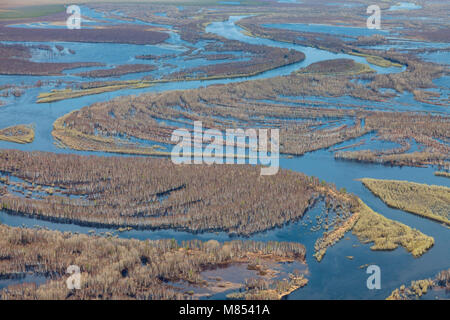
(429, 201)
(21, 133)
(112, 268)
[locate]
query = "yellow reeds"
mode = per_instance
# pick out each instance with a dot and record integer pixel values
(430, 201)
(112, 268)
(386, 234)
(19, 134)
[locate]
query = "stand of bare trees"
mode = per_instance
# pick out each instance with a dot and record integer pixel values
(155, 193)
(121, 269)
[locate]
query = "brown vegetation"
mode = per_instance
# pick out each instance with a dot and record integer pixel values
(337, 67)
(121, 269)
(23, 67)
(388, 234)
(114, 34)
(155, 193)
(14, 61)
(261, 289)
(418, 74)
(90, 88)
(241, 105)
(430, 201)
(222, 106)
(421, 287)
(442, 174)
(118, 70)
(18, 134)
(332, 236)
(263, 58)
(427, 130)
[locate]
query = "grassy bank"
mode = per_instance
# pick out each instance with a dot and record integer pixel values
(429, 201)
(386, 234)
(19, 134)
(31, 11)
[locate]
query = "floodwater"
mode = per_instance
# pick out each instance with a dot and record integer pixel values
(336, 276)
(405, 6)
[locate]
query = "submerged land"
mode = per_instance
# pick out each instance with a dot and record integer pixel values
(155, 193)
(86, 123)
(432, 202)
(122, 269)
(418, 288)
(18, 134)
